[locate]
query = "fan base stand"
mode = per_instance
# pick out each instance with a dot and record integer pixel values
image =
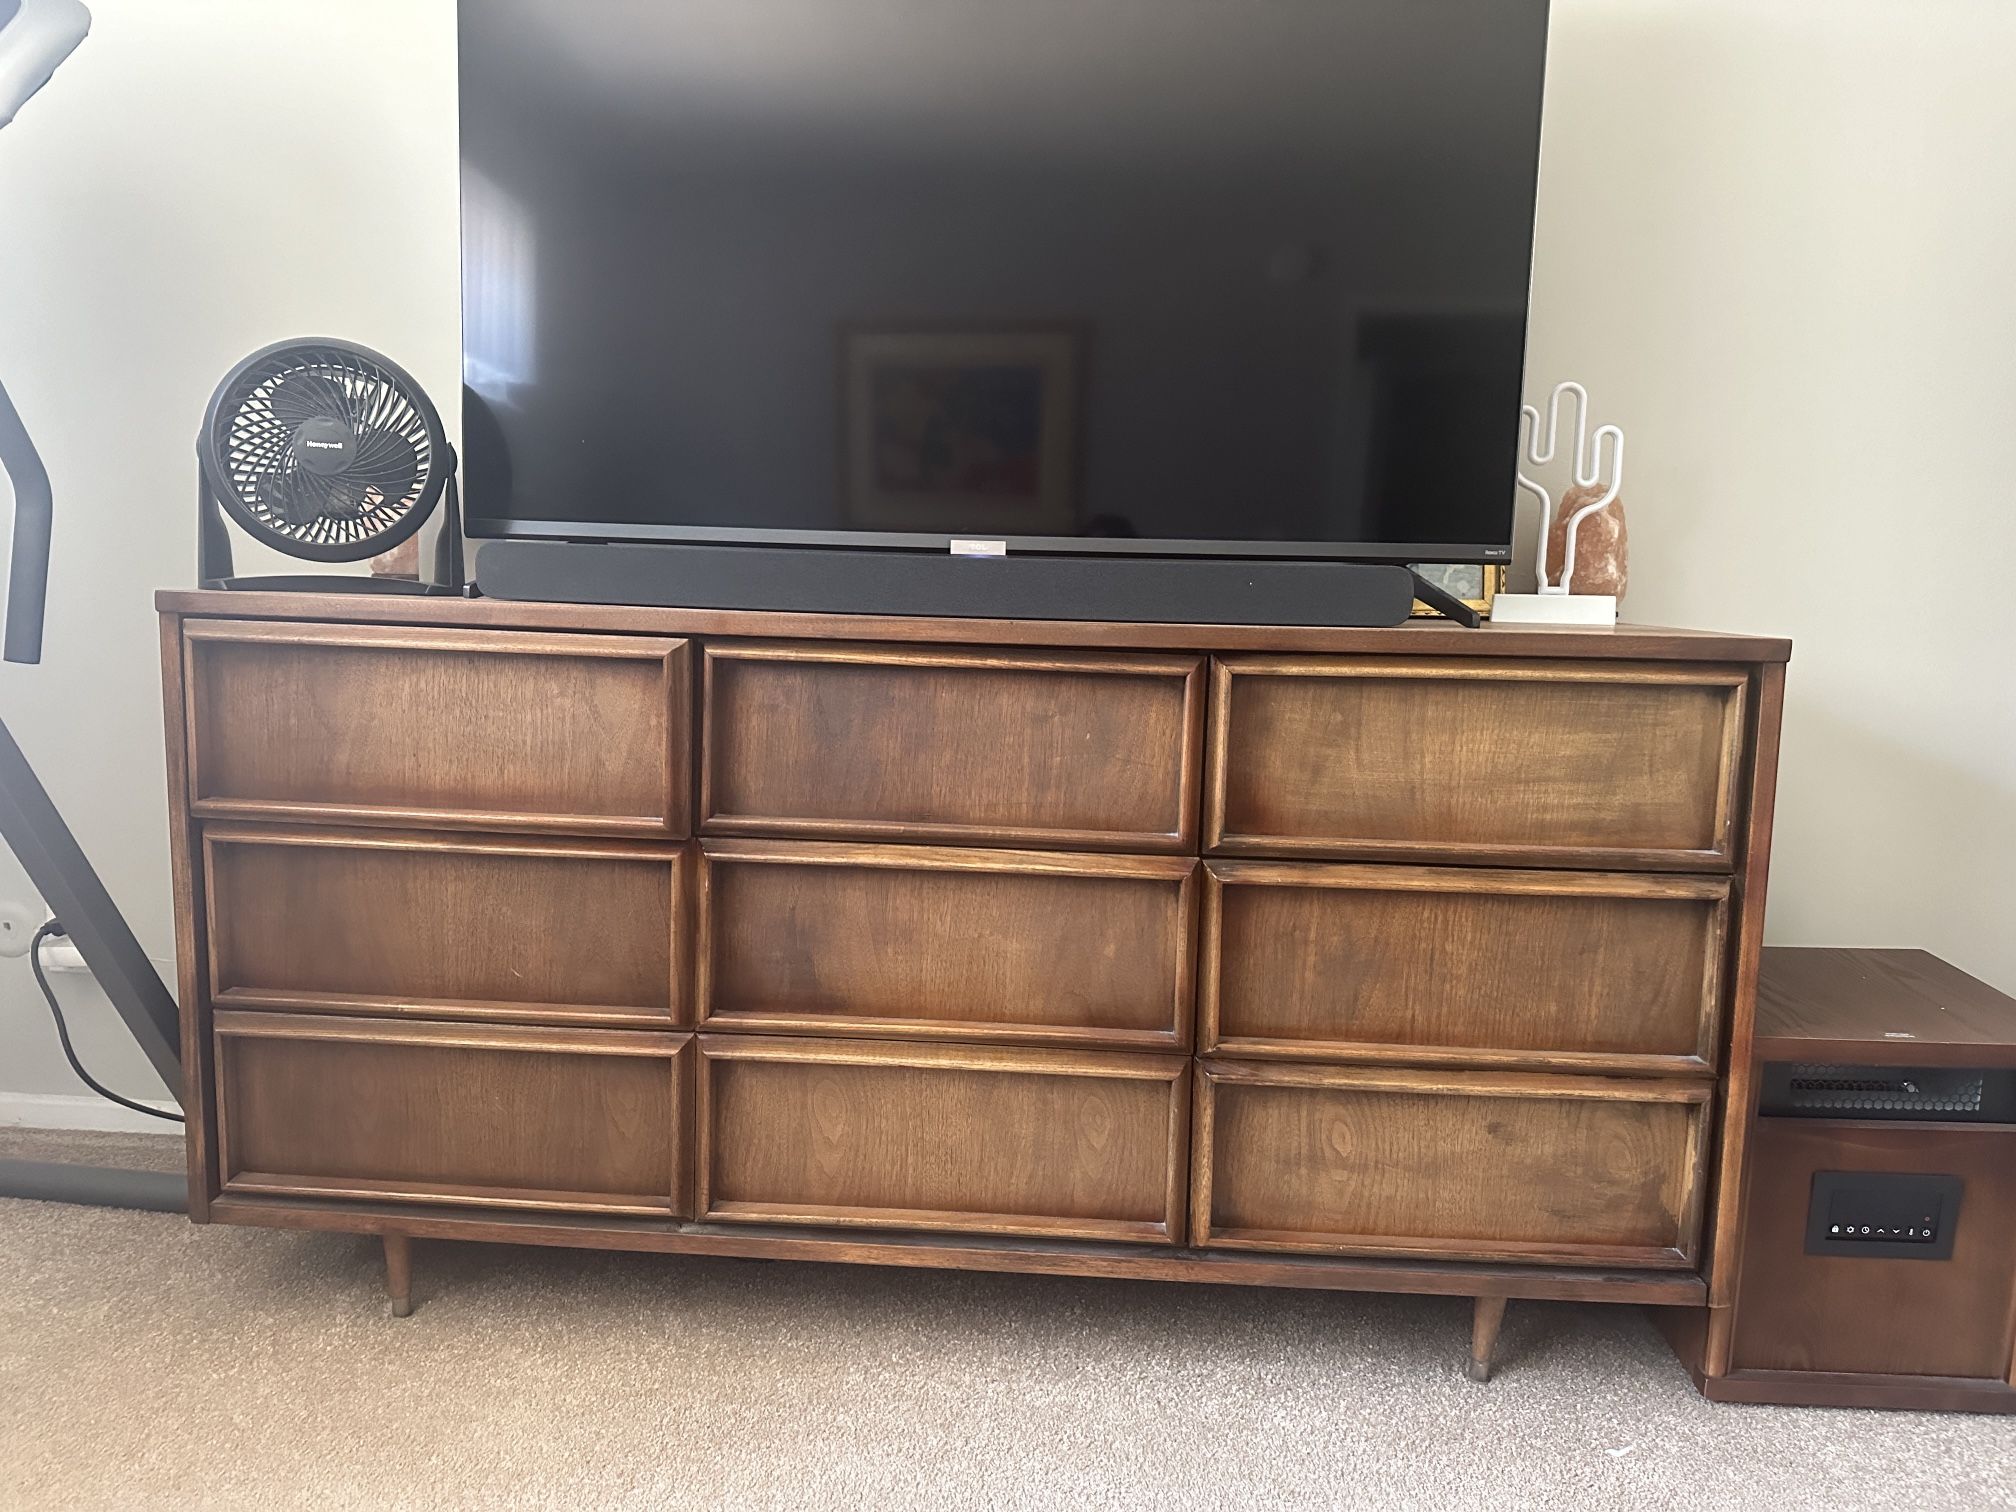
(329, 583)
(450, 577)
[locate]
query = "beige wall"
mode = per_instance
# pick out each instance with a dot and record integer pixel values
(200, 178)
(1777, 240)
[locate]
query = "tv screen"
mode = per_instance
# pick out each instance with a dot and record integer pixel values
(1167, 276)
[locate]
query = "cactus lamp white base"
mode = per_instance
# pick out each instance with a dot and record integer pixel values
(1554, 609)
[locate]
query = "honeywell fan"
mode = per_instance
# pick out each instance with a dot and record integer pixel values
(329, 452)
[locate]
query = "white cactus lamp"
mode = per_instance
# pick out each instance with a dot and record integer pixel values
(1556, 603)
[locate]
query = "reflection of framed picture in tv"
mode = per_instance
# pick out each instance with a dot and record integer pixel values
(958, 428)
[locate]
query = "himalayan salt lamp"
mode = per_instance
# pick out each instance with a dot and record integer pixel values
(1601, 548)
(403, 560)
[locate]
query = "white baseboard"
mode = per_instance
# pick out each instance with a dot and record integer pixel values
(47, 1110)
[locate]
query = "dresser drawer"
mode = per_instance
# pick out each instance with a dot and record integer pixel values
(957, 1138)
(444, 926)
(1097, 751)
(917, 941)
(1618, 764)
(1618, 972)
(594, 1120)
(465, 729)
(1570, 1170)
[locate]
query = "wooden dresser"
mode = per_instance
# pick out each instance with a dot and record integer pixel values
(1412, 959)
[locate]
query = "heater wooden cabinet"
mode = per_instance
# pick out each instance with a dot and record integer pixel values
(1873, 1263)
(1417, 959)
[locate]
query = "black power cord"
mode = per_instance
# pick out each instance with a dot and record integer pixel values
(54, 930)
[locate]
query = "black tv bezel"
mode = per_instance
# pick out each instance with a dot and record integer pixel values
(646, 533)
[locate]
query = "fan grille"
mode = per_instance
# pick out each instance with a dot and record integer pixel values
(380, 483)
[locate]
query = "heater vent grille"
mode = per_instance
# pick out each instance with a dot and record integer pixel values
(1882, 1089)
(1929, 1094)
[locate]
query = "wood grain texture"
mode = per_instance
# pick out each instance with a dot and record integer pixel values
(1899, 1393)
(1531, 764)
(961, 1148)
(1619, 972)
(1636, 642)
(954, 1138)
(435, 727)
(1878, 1007)
(1724, 1234)
(433, 926)
(1001, 1253)
(1881, 1317)
(1041, 749)
(573, 1119)
(192, 989)
(1542, 1169)
(1487, 1316)
(399, 1273)
(910, 941)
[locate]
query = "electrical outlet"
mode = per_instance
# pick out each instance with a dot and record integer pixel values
(18, 923)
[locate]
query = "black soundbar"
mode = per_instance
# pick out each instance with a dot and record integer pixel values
(1195, 590)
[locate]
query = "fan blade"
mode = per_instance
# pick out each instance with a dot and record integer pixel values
(253, 452)
(292, 498)
(388, 462)
(303, 395)
(343, 498)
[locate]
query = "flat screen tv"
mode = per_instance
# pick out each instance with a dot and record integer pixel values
(1169, 277)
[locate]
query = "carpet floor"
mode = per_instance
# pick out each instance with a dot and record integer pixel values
(145, 1362)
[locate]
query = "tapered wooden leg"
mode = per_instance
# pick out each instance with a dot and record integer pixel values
(1490, 1312)
(399, 1273)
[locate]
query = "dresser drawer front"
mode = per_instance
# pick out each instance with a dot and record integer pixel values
(1483, 1166)
(1629, 765)
(1065, 750)
(463, 729)
(917, 941)
(443, 926)
(563, 1119)
(999, 1141)
(1458, 965)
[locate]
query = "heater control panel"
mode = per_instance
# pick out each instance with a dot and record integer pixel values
(1882, 1215)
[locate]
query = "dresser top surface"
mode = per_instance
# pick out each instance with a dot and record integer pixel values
(1418, 638)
